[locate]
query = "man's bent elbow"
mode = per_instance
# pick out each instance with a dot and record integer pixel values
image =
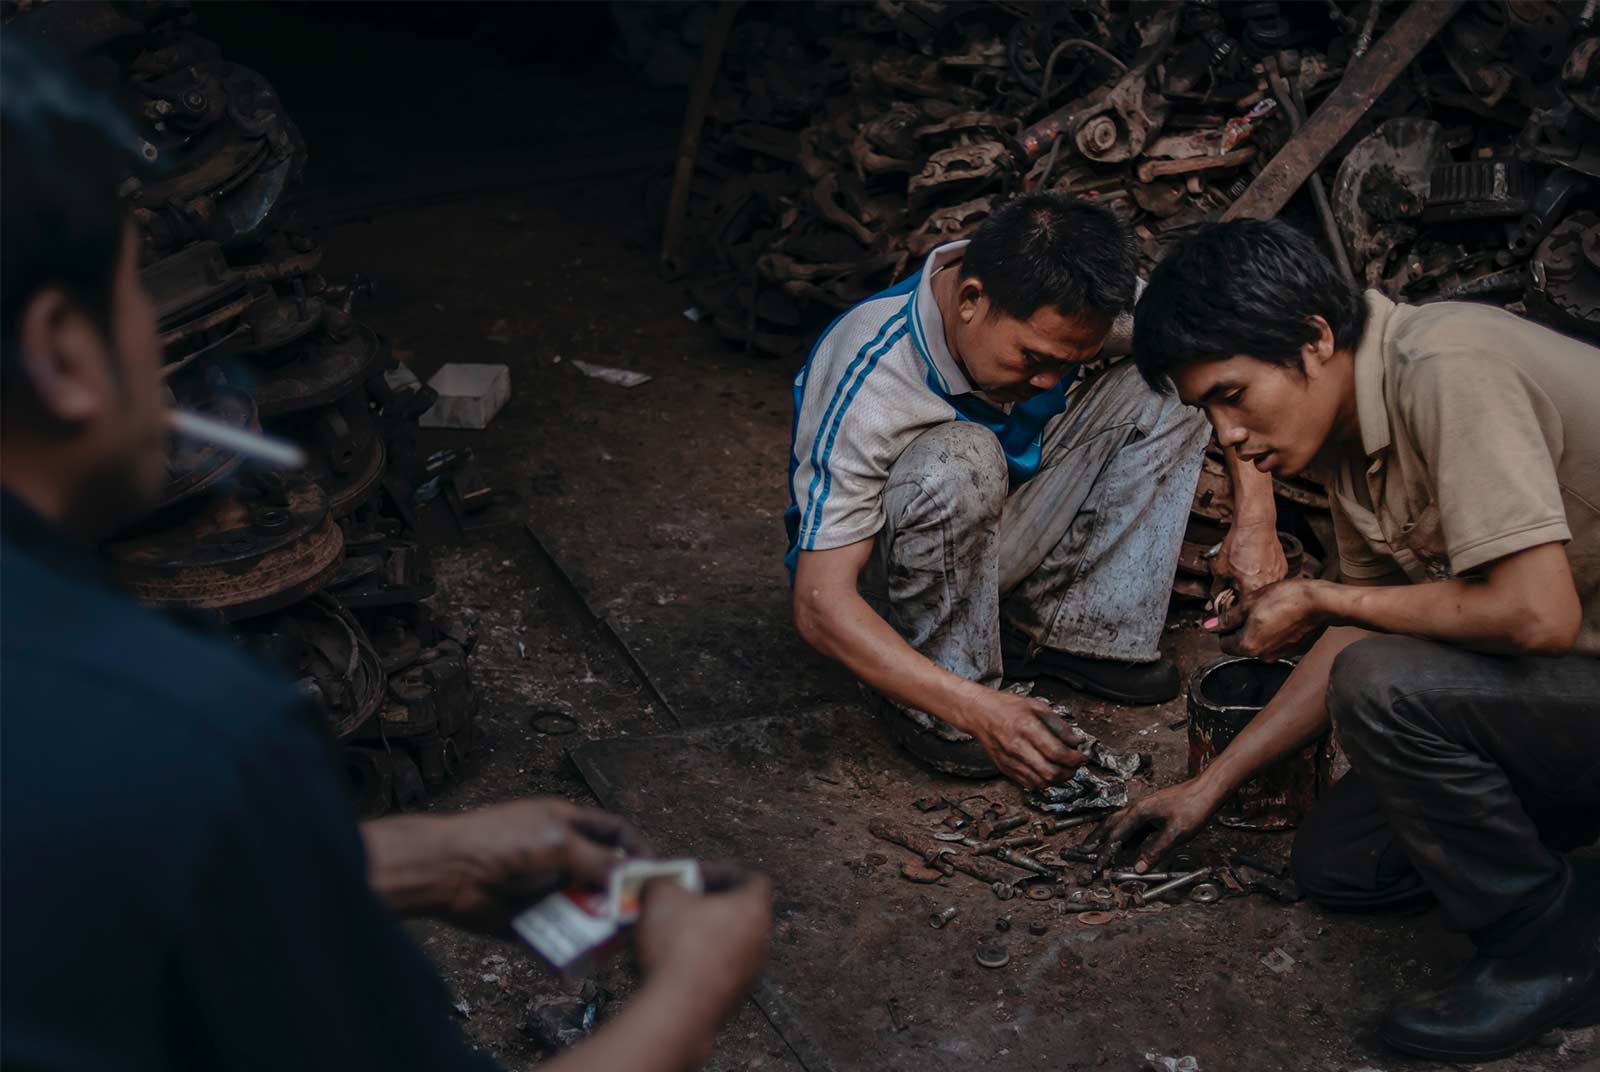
(809, 617)
(1547, 631)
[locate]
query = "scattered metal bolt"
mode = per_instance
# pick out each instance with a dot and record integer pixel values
(916, 873)
(1206, 893)
(1003, 924)
(943, 916)
(1004, 890)
(1041, 893)
(1174, 884)
(993, 956)
(1037, 928)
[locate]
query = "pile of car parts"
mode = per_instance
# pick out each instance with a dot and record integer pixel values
(1438, 151)
(320, 571)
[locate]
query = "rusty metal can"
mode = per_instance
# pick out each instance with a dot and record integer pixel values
(1224, 695)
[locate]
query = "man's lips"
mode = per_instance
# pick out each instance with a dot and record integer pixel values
(1261, 461)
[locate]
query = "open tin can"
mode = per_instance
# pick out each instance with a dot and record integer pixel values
(1224, 695)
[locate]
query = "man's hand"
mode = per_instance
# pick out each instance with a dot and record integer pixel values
(713, 944)
(1272, 621)
(1173, 815)
(1030, 744)
(480, 868)
(1249, 558)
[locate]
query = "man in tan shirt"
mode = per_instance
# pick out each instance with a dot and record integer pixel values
(1458, 662)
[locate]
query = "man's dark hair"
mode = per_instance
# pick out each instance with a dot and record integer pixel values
(1050, 249)
(1242, 287)
(66, 150)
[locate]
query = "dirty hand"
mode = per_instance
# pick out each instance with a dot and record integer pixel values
(480, 868)
(1249, 558)
(1173, 815)
(712, 944)
(1031, 744)
(1272, 621)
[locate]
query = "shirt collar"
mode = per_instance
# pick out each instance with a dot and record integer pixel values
(927, 323)
(1371, 363)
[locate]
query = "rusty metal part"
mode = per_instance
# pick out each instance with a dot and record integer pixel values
(1364, 81)
(1005, 891)
(434, 697)
(345, 453)
(917, 873)
(1382, 186)
(966, 167)
(381, 568)
(1058, 825)
(1041, 893)
(1151, 170)
(976, 867)
(991, 848)
(1096, 918)
(193, 467)
(192, 281)
(323, 646)
(318, 371)
(949, 224)
(1550, 205)
(1566, 274)
(267, 545)
(1116, 127)
(938, 919)
(1224, 696)
(1205, 893)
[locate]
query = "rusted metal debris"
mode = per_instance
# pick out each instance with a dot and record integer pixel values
(1438, 151)
(322, 571)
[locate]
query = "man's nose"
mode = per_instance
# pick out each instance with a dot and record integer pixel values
(1229, 435)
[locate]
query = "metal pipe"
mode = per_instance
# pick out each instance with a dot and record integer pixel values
(1290, 103)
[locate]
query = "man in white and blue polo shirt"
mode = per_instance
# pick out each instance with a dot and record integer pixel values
(1006, 510)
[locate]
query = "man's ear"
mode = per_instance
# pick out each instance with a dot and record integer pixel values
(1315, 354)
(64, 358)
(970, 299)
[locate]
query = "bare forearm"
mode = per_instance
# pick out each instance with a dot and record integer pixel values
(1469, 613)
(669, 1026)
(410, 864)
(1252, 492)
(1297, 714)
(850, 631)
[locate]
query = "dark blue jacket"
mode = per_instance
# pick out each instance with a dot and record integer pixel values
(183, 882)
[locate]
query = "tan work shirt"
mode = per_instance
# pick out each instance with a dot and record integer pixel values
(1481, 433)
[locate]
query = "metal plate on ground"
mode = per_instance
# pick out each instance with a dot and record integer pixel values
(793, 794)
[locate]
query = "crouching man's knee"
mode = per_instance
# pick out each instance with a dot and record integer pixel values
(956, 470)
(1365, 685)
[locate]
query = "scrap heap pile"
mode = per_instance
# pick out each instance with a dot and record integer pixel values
(320, 570)
(843, 142)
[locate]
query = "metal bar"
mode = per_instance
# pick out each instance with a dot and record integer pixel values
(1364, 82)
(1155, 169)
(689, 142)
(1319, 193)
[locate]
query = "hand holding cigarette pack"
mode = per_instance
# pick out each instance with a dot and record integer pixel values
(568, 926)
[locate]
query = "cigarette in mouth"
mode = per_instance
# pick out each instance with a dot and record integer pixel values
(264, 449)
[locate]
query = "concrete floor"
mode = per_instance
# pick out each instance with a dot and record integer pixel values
(662, 507)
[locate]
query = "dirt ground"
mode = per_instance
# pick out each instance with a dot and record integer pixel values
(631, 577)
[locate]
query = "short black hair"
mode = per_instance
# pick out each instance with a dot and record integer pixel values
(66, 149)
(1241, 287)
(1052, 249)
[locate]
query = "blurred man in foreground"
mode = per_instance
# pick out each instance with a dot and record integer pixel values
(184, 883)
(1460, 445)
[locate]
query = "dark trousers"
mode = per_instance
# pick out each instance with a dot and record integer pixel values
(1470, 775)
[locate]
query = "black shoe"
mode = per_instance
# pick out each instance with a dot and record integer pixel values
(964, 759)
(1128, 683)
(1497, 1005)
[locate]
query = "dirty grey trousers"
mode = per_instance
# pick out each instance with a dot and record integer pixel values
(1079, 559)
(1470, 774)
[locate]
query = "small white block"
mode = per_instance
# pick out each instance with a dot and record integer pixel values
(469, 396)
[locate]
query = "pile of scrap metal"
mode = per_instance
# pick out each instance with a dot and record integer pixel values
(1445, 150)
(319, 570)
